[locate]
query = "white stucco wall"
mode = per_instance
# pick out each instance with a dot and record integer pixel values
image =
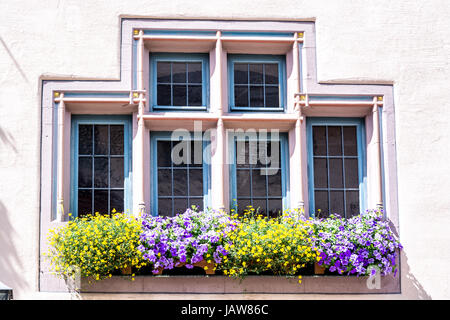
(404, 42)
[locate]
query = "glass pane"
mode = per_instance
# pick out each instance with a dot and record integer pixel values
(163, 72)
(256, 96)
(101, 172)
(164, 95)
(321, 203)
(195, 72)
(196, 182)
(271, 73)
(320, 173)
(179, 72)
(241, 73)
(180, 205)
(243, 183)
(319, 141)
(101, 201)
(260, 206)
(163, 153)
(256, 73)
(164, 182)
(116, 201)
(351, 173)
(334, 141)
(180, 182)
(85, 139)
(198, 202)
(116, 143)
(336, 176)
(116, 173)
(101, 139)
(275, 207)
(243, 205)
(272, 97)
(241, 96)
(84, 202)
(195, 95)
(181, 154)
(242, 154)
(274, 182)
(85, 172)
(179, 95)
(258, 183)
(352, 203)
(350, 145)
(165, 207)
(337, 202)
(196, 153)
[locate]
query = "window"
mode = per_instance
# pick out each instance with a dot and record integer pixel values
(100, 164)
(258, 172)
(179, 81)
(180, 174)
(256, 82)
(336, 165)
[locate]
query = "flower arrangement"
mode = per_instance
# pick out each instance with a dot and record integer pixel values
(259, 244)
(97, 245)
(352, 245)
(188, 238)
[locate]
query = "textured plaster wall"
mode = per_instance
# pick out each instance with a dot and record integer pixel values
(404, 42)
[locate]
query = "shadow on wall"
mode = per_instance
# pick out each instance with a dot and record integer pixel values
(411, 287)
(10, 265)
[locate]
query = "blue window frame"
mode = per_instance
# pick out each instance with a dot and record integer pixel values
(179, 81)
(100, 164)
(256, 82)
(258, 176)
(177, 184)
(336, 166)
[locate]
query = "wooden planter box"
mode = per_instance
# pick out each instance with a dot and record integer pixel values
(318, 269)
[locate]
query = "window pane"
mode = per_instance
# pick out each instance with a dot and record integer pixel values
(84, 202)
(101, 139)
(101, 201)
(272, 97)
(352, 203)
(275, 207)
(101, 172)
(180, 182)
(258, 183)
(241, 96)
(243, 205)
(336, 176)
(179, 95)
(198, 202)
(321, 203)
(163, 72)
(334, 141)
(85, 139)
(260, 206)
(241, 73)
(243, 183)
(116, 173)
(350, 144)
(85, 172)
(117, 136)
(320, 173)
(256, 96)
(165, 207)
(274, 182)
(164, 182)
(271, 73)
(164, 95)
(195, 72)
(180, 205)
(256, 73)
(337, 202)
(180, 155)
(116, 201)
(319, 141)
(196, 153)
(351, 173)
(164, 153)
(196, 182)
(179, 72)
(194, 95)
